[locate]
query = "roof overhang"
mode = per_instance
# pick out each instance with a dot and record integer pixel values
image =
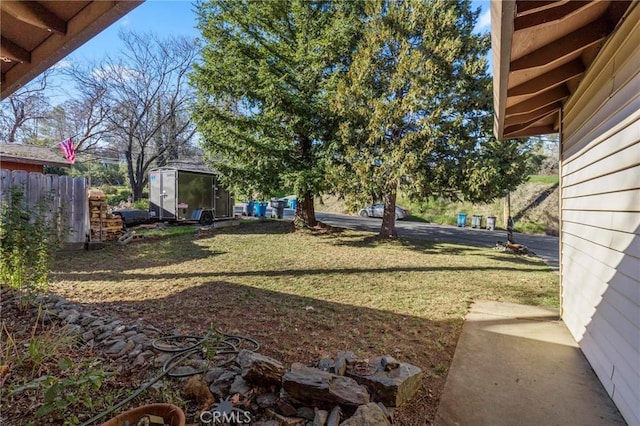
(38, 34)
(541, 50)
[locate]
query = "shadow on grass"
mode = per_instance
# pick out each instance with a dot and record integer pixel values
(422, 246)
(266, 273)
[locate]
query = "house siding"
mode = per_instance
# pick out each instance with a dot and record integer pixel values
(25, 167)
(600, 216)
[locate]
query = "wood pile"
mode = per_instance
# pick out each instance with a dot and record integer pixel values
(104, 226)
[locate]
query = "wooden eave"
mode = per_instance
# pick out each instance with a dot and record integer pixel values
(541, 50)
(35, 35)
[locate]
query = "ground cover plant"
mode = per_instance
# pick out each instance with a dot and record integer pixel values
(308, 294)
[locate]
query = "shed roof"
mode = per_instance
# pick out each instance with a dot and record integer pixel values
(32, 154)
(541, 50)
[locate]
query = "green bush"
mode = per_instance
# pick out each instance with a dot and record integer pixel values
(109, 189)
(121, 195)
(28, 240)
(142, 204)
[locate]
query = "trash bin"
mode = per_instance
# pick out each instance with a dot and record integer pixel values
(260, 209)
(476, 221)
(462, 219)
(292, 203)
(278, 208)
(248, 208)
(491, 223)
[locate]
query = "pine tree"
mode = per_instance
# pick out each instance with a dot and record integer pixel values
(267, 74)
(415, 107)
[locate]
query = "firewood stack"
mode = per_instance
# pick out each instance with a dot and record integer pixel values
(104, 226)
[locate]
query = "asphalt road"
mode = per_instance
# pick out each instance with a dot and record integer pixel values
(544, 246)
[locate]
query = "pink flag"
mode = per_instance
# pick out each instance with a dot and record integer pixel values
(67, 148)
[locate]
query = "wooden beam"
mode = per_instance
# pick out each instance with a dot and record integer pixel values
(563, 47)
(529, 6)
(502, 13)
(33, 13)
(532, 131)
(10, 50)
(549, 15)
(558, 93)
(533, 116)
(523, 126)
(548, 80)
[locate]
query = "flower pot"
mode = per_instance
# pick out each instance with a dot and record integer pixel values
(172, 415)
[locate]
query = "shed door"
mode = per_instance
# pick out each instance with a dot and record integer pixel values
(168, 194)
(162, 194)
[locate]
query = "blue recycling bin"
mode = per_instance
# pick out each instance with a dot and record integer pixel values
(260, 209)
(249, 208)
(292, 203)
(462, 219)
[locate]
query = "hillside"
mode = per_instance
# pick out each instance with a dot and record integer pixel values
(534, 207)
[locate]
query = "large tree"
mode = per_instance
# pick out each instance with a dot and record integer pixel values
(145, 91)
(21, 113)
(415, 109)
(263, 92)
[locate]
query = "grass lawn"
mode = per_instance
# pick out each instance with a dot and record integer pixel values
(308, 294)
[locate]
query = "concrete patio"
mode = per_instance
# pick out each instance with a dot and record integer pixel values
(517, 364)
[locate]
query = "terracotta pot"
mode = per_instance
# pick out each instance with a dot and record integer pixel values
(172, 415)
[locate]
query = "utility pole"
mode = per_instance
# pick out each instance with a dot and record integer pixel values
(507, 217)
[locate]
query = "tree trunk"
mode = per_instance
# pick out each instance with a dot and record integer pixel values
(305, 211)
(388, 228)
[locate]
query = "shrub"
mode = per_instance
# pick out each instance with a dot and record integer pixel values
(142, 204)
(28, 240)
(121, 195)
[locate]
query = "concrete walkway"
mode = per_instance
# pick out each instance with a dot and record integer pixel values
(519, 365)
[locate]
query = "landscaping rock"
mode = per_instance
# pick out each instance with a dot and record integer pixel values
(285, 408)
(387, 412)
(343, 359)
(211, 375)
(393, 388)
(326, 364)
(334, 416)
(306, 413)
(116, 348)
(266, 400)
(367, 415)
(320, 418)
(257, 368)
(308, 384)
(240, 386)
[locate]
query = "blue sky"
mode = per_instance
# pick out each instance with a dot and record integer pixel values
(165, 17)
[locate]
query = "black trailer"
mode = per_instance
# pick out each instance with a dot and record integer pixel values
(178, 194)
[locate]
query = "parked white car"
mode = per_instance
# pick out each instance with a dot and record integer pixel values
(377, 210)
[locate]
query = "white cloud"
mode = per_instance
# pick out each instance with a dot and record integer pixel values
(63, 64)
(484, 22)
(124, 22)
(122, 73)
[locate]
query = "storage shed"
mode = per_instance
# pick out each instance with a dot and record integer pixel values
(179, 193)
(573, 68)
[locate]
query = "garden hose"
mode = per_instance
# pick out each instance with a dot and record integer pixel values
(226, 344)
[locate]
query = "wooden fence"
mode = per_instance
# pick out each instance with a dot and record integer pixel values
(64, 195)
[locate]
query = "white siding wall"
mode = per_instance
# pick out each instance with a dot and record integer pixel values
(600, 214)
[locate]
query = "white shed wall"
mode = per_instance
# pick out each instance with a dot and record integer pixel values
(600, 215)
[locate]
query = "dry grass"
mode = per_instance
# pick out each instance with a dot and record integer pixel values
(307, 295)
